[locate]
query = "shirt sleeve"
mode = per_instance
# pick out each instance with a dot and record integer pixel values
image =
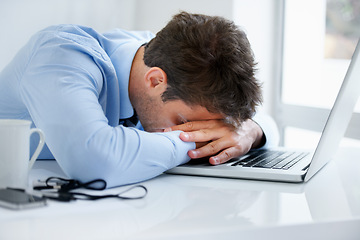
(269, 128)
(61, 88)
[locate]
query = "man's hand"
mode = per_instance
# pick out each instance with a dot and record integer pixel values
(218, 140)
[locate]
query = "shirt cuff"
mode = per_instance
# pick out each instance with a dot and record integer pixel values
(181, 147)
(269, 128)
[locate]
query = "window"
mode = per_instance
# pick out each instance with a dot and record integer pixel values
(319, 38)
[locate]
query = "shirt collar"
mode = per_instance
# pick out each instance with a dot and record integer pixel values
(122, 59)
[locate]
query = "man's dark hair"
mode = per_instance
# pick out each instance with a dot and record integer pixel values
(208, 62)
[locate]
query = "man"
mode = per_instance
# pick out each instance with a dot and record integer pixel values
(82, 89)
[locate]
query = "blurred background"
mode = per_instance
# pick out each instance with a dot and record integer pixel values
(303, 47)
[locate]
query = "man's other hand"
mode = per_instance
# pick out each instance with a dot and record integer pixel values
(220, 141)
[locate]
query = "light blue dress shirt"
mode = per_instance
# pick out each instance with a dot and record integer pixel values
(72, 83)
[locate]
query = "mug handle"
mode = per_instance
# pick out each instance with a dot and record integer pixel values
(39, 147)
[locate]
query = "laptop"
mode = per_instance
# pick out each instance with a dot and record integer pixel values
(285, 165)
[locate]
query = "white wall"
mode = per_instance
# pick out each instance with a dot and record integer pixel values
(154, 14)
(19, 19)
(259, 19)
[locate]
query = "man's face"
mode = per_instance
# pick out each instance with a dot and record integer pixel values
(156, 115)
(146, 87)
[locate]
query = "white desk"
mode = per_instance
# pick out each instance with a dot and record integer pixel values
(185, 207)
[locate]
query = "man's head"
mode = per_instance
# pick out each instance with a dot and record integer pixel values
(208, 62)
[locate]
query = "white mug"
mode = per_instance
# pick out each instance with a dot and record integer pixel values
(15, 152)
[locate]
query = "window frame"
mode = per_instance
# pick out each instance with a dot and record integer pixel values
(299, 116)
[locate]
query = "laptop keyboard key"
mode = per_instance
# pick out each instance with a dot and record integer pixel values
(294, 161)
(260, 158)
(285, 163)
(265, 162)
(270, 159)
(275, 161)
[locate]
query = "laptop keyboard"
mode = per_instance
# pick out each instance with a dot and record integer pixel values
(271, 159)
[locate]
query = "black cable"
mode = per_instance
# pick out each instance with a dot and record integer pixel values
(61, 189)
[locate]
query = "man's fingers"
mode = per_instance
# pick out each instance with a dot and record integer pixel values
(203, 135)
(217, 140)
(227, 154)
(221, 151)
(209, 149)
(194, 126)
(224, 156)
(198, 136)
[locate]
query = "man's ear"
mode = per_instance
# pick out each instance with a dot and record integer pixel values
(156, 78)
